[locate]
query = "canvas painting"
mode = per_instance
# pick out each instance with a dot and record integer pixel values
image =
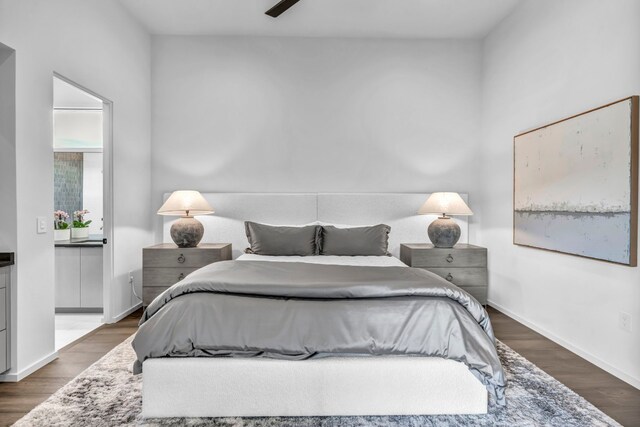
(575, 184)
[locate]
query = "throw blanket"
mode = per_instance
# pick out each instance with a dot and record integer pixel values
(299, 311)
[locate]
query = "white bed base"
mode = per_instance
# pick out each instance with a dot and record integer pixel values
(339, 386)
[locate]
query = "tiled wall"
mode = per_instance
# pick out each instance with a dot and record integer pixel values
(67, 182)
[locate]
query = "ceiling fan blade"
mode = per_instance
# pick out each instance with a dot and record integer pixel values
(280, 8)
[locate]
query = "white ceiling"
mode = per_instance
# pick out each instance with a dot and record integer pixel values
(324, 18)
(69, 96)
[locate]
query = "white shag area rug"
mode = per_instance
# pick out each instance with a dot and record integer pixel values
(108, 394)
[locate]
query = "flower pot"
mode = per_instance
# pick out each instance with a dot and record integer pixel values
(80, 233)
(62, 234)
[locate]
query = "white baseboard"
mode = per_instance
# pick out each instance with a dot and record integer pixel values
(13, 377)
(125, 313)
(635, 382)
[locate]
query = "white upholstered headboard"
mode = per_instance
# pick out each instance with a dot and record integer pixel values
(398, 210)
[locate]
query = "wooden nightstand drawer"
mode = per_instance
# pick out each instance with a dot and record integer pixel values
(165, 265)
(479, 293)
(149, 293)
(423, 255)
(463, 277)
(164, 276)
(463, 265)
(180, 257)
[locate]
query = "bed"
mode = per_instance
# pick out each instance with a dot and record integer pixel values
(316, 336)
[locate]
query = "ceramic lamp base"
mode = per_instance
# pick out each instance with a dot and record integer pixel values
(444, 232)
(187, 232)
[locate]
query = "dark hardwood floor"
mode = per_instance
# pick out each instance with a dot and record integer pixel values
(16, 399)
(613, 396)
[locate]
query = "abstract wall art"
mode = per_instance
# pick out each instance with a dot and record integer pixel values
(576, 184)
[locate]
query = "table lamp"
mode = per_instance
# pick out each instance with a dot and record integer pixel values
(187, 231)
(444, 232)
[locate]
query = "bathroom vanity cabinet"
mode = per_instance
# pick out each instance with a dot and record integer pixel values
(78, 279)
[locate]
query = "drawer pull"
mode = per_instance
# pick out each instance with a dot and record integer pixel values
(181, 276)
(449, 277)
(449, 258)
(181, 259)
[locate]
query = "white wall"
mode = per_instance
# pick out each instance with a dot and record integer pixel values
(549, 60)
(8, 211)
(7, 149)
(98, 45)
(314, 115)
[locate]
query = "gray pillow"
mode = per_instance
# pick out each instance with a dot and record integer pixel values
(281, 240)
(354, 241)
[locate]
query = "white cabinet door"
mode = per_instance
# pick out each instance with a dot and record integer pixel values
(4, 351)
(91, 278)
(67, 277)
(3, 300)
(3, 309)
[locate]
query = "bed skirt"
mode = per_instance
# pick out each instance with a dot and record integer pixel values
(338, 386)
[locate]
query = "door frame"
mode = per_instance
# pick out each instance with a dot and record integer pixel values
(107, 195)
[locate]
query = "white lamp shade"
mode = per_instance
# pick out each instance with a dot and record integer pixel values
(445, 203)
(182, 203)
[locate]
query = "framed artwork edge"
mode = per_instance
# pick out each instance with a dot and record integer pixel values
(634, 176)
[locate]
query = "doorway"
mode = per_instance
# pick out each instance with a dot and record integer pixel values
(82, 214)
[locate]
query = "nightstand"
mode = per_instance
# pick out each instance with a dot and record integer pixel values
(463, 265)
(166, 264)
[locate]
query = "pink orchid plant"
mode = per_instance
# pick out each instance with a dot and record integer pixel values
(78, 219)
(60, 220)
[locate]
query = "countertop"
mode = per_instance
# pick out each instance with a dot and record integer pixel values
(93, 241)
(7, 259)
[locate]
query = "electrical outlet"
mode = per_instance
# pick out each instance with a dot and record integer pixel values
(41, 225)
(624, 321)
(131, 278)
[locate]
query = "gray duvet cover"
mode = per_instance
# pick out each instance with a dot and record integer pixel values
(300, 311)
